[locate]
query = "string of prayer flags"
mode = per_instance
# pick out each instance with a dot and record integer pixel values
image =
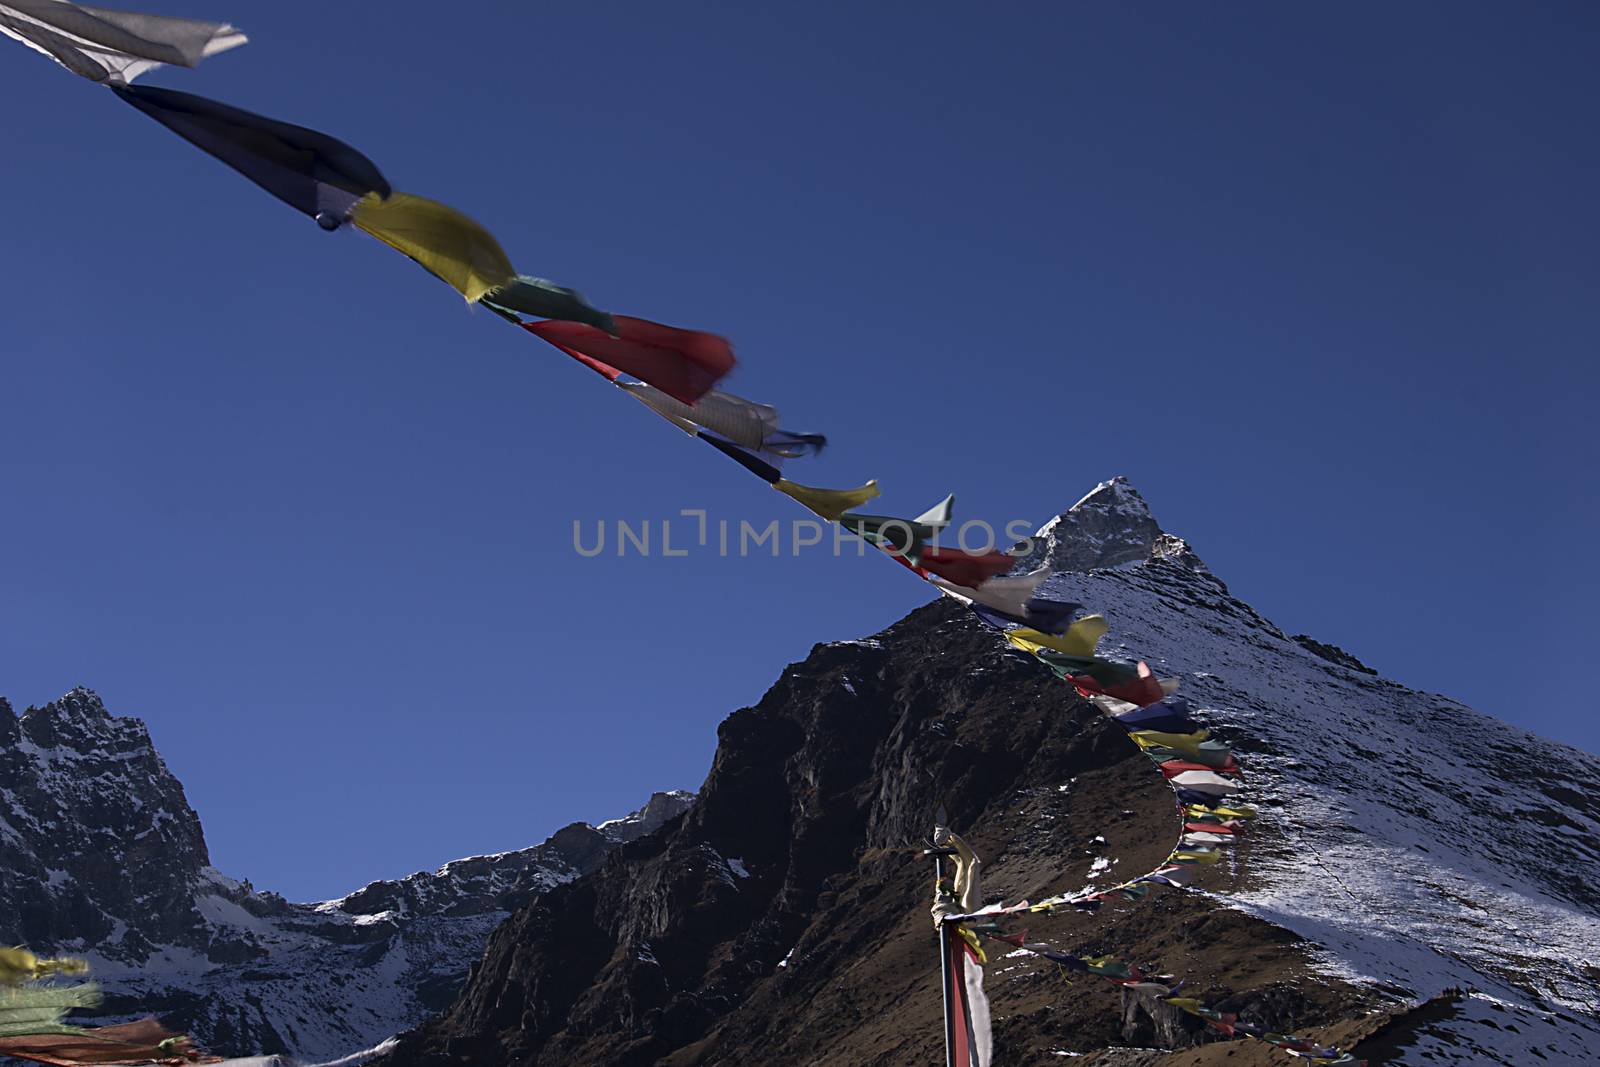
(684, 364)
(113, 47)
(439, 239)
(739, 421)
(313, 173)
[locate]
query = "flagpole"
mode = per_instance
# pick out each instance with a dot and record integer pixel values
(938, 855)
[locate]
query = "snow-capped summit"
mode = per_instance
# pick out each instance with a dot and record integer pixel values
(1110, 526)
(102, 856)
(1421, 844)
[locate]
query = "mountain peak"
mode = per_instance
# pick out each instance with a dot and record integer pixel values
(80, 702)
(79, 722)
(1115, 496)
(1109, 527)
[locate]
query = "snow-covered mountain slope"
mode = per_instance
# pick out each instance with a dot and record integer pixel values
(1421, 844)
(101, 855)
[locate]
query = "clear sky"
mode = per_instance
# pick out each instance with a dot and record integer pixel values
(1319, 278)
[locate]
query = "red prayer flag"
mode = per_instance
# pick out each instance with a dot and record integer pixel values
(135, 1042)
(965, 568)
(1143, 690)
(684, 364)
(1174, 767)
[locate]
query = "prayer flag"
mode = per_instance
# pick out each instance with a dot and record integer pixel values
(313, 173)
(684, 364)
(114, 47)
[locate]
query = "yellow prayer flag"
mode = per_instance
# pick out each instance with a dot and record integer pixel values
(1222, 813)
(829, 503)
(1195, 857)
(1080, 639)
(441, 240)
(1188, 743)
(18, 965)
(972, 939)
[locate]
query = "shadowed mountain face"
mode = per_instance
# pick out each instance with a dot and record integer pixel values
(101, 855)
(784, 919)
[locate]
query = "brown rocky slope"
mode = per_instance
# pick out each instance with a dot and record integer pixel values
(783, 919)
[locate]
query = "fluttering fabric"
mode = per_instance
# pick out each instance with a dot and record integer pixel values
(1174, 767)
(547, 300)
(313, 173)
(18, 965)
(1205, 781)
(439, 239)
(830, 504)
(684, 364)
(905, 537)
(1187, 743)
(1081, 639)
(1046, 616)
(970, 569)
(39, 1009)
(742, 422)
(969, 1038)
(1167, 716)
(1141, 689)
(112, 46)
(1009, 595)
(144, 1041)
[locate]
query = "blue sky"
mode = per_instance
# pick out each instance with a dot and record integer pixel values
(1319, 280)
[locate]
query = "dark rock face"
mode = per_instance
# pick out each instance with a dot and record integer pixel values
(1332, 653)
(79, 856)
(784, 920)
(101, 855)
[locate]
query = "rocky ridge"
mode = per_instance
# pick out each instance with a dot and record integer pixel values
(103, 856)
(783, 920)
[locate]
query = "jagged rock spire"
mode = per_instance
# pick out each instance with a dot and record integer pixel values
(1110, 526)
